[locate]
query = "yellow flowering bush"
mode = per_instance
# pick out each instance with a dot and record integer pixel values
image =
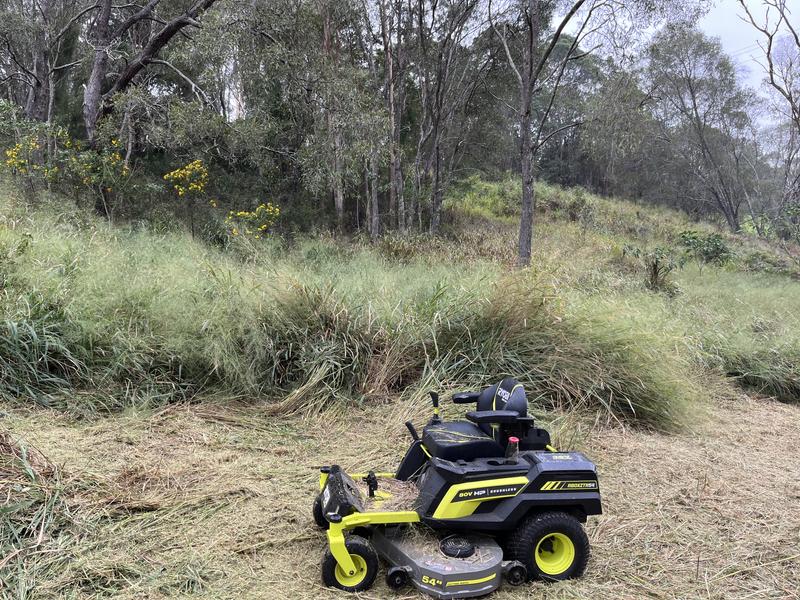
(48, 153)
(24, 156)
(255, 223)
(191, 179)
(105, 168)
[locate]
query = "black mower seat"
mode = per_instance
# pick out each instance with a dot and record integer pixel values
(459, 440)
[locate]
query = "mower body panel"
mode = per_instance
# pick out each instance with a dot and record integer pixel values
(494, 495)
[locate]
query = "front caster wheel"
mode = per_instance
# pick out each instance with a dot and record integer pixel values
(553, 546)
(365, 560)
(397, 578)
(516, 575)
(319, 518)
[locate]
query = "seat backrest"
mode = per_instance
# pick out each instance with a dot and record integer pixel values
(506, 395)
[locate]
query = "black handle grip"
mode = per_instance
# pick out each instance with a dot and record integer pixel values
(434, 399)
(412, 431)
(466, 397)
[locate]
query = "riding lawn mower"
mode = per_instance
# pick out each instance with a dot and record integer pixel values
(472, 504)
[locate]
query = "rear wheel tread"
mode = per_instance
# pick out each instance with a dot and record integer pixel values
(523, 542)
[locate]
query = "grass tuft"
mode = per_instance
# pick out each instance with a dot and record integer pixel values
(33, 515)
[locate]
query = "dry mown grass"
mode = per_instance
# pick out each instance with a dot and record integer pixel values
(215, 501)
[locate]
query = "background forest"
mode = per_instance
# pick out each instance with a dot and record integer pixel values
(364, 115)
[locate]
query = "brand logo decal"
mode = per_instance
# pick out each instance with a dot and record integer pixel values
(487, 492)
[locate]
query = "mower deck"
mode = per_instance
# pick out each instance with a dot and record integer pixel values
(437, 574)
(392, 494)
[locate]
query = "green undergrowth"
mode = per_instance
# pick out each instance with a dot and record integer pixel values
(749, 327)
(128, 317)
(99, 317)
(730, 298)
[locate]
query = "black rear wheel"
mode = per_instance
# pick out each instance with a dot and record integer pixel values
(553, 546)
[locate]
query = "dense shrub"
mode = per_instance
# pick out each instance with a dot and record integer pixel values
(705, 247)
(657, 265)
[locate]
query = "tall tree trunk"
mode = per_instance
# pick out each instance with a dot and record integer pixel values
(526, 148)
(334, 135)
(372, 174)
(93, 92)
(398, 185)
(388, 59)
(392, 147)
(338, 184)
(436, 187)
(402, 218)
(374, 207)
(367, 205)
(38, 99)
(51, 95)
(528, 205)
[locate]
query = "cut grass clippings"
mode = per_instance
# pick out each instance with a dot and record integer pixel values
(214, 500)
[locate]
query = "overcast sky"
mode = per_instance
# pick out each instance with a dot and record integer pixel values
(740, 39)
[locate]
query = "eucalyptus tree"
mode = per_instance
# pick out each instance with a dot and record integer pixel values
(780, 45)
(125, 42)
(538, 73)
(38, 39)
(395, 20)
(448, 70)
(703, 111)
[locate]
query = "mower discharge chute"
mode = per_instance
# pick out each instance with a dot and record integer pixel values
(472, 504)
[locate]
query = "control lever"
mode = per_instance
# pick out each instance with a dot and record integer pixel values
(372, 483)
(412, 431)
(435, 399)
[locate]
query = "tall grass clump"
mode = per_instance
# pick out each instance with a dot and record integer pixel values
(515, 326)
(749, 326)
(478, 196)
(36, 360)
(142, 318)
(580, 357)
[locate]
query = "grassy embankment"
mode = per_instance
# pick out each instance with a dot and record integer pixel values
(98, 319)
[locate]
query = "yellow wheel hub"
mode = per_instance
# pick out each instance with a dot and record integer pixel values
(555, 553)
(352, 580)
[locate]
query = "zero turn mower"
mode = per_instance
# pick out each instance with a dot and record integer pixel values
(472, 504)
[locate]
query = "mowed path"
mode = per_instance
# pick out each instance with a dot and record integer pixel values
(213, 501)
